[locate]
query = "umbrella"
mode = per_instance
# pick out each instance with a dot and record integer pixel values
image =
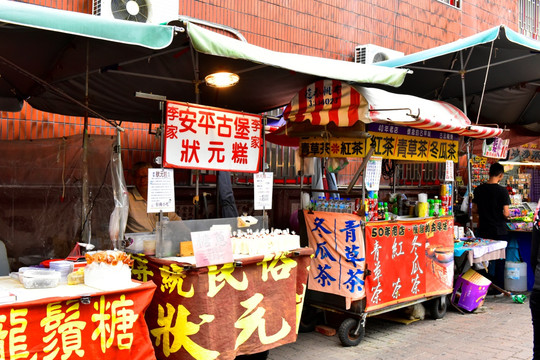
(493, 76)
(72, 63)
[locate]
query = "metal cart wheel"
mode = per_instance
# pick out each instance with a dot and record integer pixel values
(437, 307)
(309, 319)
(351, 331)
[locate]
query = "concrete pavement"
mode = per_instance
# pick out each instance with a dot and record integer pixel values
(500, 329)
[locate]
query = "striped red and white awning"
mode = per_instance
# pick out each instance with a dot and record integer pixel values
(328, 101)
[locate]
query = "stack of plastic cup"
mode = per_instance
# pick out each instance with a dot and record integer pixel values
(64, 267)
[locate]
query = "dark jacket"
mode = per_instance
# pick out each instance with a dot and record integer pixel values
(535, 255)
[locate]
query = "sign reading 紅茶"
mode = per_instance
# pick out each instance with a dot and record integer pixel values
(202, 137)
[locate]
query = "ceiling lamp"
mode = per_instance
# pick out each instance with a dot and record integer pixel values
(221, 79)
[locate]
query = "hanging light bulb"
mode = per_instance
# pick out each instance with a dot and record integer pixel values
(221, 79)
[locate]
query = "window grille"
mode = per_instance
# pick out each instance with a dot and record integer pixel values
(453, 3)
(529, 15)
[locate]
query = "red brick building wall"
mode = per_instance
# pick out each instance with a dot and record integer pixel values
(326, 28)
(332, 28)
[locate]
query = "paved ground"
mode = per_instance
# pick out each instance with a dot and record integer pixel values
(501, 329)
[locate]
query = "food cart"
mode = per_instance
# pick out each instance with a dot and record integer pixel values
(217, 296)
(365, 264)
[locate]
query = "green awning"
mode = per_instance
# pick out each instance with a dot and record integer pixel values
(123, 58)
(495, 73)
(211, 43)
(78, 24)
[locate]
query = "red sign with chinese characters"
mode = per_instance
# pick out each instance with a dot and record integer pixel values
(107, 325)
(408, 260)
(202, 137)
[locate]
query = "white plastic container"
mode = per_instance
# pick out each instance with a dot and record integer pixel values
(64, 267)
(136, 241)
(515, 276)
(40, 279)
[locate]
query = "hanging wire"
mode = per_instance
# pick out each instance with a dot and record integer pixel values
(388, 169)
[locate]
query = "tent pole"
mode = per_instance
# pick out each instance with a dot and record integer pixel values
(485, 82)
(86, 225)
(469, 185)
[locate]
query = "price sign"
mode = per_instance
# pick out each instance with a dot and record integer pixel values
(263, 183)
(160, 190)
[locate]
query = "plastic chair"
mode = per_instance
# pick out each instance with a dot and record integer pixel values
(4, 263)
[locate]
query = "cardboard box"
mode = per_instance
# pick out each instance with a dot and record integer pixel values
(470, 290)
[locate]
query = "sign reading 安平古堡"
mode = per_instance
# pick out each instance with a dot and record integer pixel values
(202, 137)
(389, 142)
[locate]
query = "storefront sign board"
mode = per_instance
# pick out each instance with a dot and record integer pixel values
(408, 260)
(222, 311)
(203, 137)
(339, 263)
(398, 143)
(108, 325)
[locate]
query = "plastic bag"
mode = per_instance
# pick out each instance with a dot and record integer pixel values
(465, 204)
(334, 165)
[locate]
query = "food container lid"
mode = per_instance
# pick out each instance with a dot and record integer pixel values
(61, 265)
(42, 273)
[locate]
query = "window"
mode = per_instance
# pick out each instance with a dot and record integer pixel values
(454, 3)
(529, 15)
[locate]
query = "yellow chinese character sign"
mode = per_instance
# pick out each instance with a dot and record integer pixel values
(389, 142)
(222, 311)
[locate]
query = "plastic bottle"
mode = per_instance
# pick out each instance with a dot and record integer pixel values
(348, 206)
(436, 204)
(320, 204)
(366, 209)
(430, 207)
(342, 206)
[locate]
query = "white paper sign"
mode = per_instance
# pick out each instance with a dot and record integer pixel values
(212, 247)
(160, 190)
(449, 172)
(263, 184)
(373, 174)
(498, 148)
(202, 137)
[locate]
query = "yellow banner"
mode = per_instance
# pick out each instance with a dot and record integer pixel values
(387, 146)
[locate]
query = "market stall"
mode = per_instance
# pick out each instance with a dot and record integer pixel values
(355, 269)
(222, 311)
(74, 321)
(225, 287)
